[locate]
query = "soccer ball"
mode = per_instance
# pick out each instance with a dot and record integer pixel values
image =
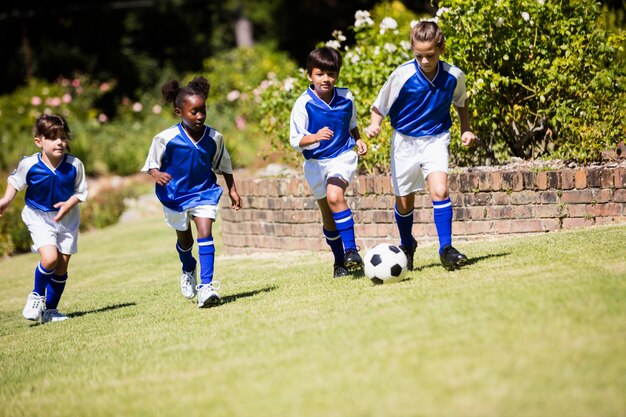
(385, 263)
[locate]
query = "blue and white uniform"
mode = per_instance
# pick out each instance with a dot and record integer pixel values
(46, 186)
(329, 158)
(419, 112)
(193, 167)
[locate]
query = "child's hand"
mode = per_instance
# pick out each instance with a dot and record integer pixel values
(324, 134)
(161, 178)
(64, 207)
(235, 199)
(468, 138)
(361, 147)
(372, 131)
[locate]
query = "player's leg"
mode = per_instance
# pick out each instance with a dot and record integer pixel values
(43, 273)
(406, 179)
(207, 288)
(333, 238)
(55, 289)
(179, 221)
(436, 168)
(344, 221)
(403, 212)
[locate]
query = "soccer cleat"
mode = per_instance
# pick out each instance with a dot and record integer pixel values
(410, 254)
(339, 271)
(352, 260)
(188, 283)
(34, 307)
(52, 315)
(207, 294)
(452, 258)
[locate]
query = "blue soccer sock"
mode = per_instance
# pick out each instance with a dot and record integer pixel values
(442, 211)
(186, 257)
(405, 227)
(42, 277)
(345, 227)
(206, 250)
(336, 244)
(56, 286)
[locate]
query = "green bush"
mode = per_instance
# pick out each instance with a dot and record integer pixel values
(544, 78)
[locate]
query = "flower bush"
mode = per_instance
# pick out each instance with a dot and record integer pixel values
(543, 78)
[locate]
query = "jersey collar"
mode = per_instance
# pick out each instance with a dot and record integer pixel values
(311, 92)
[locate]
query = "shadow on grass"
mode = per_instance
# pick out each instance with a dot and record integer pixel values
(235, 297)
(470, 261)
(101, 310)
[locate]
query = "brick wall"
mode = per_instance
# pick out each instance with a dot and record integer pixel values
(281, 214)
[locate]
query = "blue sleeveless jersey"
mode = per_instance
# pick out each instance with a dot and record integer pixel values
(192, 165)
(418, 106)
(310, 114)
(45, 185)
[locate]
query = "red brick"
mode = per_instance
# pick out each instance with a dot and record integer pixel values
(606, 181)
(484, 183)
(580, 179)
(620, 178)
(620, 196)
(500, 212)
(502, 226)
(567, 179)
(522, 212)
(583, 196)
(542, 180)
(549, 211)
(573, 223)
(594, 177)
(602, 196)
(525, 197)
(496, 181)
(530, 180)
(549, 197)
(526, 226)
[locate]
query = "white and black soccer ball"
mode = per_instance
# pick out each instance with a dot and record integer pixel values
(385, 263)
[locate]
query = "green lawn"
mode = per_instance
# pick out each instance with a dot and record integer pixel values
(533, 326)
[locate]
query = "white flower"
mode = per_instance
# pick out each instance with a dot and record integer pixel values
(137, 107)
(337, 34)
(353, 58)
(362, 18)
(390, 47)
(289, 83)
(333, 44)
(388, 23)
(413, 23)
(442, 11)
(500, 22)
(541, 2)
(525, 16)
(233, 95)
(405, 45)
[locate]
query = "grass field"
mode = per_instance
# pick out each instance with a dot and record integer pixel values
(532, 327)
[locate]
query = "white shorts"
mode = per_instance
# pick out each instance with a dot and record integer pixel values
(44, 231)
(179, 220)
(318, 171)
(412, 159)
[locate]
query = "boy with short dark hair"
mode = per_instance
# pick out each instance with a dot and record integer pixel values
(417, 97)
(324, 129)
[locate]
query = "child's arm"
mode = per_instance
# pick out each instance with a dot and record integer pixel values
(361, 147)
(9, 195)
(235, 199)
(323, 134)
(376, 119)
(467, 136)
(65, 206)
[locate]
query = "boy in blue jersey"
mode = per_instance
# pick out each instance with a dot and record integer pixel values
(417, 97)
(323, 127)
(183, 161)
(55, 183)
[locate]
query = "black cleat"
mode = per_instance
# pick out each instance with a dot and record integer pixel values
(352, 260)
(410, 253)
(339, 271)
(451, 258)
